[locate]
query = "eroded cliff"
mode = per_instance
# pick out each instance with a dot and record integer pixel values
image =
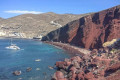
(90, 31)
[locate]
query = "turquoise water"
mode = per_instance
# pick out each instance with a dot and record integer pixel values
(11, 60)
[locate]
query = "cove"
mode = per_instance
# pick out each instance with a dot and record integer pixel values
(11, 60)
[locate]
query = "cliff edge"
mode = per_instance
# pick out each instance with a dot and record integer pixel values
(90, 31)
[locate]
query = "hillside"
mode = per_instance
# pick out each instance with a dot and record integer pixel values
(1, 18)
(34, 25)
(90, 31)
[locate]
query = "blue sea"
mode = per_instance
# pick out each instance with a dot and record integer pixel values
(12, 60)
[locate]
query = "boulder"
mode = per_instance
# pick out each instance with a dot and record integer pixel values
(76, 58)
(17, 73)
(58, 75)
(60, 64)
(81, 76)
(89, 76)
(73, 69)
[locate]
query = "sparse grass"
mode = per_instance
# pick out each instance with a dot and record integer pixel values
(109, 43)
(112, 62)
(113, 51)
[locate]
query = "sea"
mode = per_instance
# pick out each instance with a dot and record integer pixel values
(35, 54)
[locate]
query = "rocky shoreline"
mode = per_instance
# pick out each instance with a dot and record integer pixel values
(101, 64)
(71, 49)
(98, 64)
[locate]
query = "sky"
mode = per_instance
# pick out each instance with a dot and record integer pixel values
(11, 8)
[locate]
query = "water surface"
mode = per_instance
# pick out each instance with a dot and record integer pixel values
(11, 60)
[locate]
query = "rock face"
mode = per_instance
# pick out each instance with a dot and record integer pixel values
(34, 25)
(97, 65)
(90, 31)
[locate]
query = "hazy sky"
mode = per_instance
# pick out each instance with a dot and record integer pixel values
(10, 8)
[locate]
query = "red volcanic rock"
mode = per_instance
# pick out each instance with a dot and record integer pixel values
(81, 76)
(90, 31)
(89, 76)
(73, 76)
(68, 63)
(112, 69)
(73, 69)
(60, 64)
(90, 67)
(94, 52)
(115, 66)
(115, 76)
(76, 58)
(17, 73)
(106, 50)
(59, 76)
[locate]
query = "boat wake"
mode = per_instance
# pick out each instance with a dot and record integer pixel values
(21, 49)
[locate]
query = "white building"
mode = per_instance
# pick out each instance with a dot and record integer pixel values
(2, 33)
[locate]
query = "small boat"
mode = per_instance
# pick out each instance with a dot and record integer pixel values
(37, 69)
(37, 60)
(13, 46)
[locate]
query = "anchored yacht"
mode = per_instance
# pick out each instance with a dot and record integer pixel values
(13, 46)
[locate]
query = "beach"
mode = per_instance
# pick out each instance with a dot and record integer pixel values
(70, 48)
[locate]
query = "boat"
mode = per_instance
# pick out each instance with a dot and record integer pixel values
(13, 46)
(37, 69)
(37, 60)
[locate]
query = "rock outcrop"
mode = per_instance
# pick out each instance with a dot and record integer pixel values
(102, 64)
(90, 31)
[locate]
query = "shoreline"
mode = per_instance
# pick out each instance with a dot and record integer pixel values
(71, 49)
(1, 37)
(19, 38)
(102, 64)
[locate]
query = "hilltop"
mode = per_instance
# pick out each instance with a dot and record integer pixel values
(34, 25)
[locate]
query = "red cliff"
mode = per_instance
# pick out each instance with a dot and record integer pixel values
(90, 31)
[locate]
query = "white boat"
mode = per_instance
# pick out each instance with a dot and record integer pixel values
(13, 46)
(37, 60)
